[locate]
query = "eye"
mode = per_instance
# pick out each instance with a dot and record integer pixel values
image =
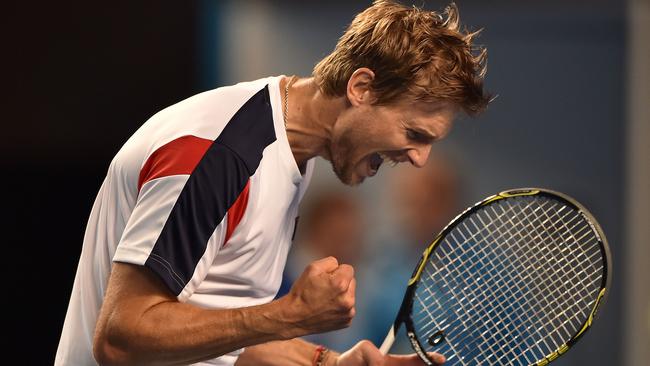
(417, 136)
(412, 135)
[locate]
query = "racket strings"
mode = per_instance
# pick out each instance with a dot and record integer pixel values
(497, 334)
(465, 285)
(499, 307)
(507, 286)
(461, 248)
(550, 305)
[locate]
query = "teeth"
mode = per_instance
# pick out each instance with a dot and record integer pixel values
(385, 157)
(375, 161)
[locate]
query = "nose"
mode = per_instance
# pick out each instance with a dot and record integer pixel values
(419, 155)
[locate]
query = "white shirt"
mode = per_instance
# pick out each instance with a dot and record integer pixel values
(206, 195)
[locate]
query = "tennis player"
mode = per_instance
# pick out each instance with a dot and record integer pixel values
(189, 233)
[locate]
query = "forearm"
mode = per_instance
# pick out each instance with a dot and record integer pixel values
(176, 333)
(140, 324)
(294, 352)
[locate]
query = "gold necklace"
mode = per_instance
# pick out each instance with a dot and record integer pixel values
(286, 100)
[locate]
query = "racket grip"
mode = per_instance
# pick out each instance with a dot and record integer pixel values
(388, 341)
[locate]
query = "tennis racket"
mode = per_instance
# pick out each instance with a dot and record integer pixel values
(514, 280)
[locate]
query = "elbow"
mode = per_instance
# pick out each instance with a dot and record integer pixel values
(108, 355)
(104, 355)
(107, 351)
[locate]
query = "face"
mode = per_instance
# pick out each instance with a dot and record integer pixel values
(366, 136)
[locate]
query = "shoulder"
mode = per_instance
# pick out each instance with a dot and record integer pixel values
(203, 116)
(223, 101)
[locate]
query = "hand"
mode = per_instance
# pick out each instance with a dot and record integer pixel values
(322, 299)
(365, 353)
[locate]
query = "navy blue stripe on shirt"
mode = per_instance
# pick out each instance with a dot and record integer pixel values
(211, 189)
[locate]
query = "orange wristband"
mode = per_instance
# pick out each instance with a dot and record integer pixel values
(319, 356)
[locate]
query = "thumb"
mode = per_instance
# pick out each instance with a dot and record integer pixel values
(327, 264)
(412, 359)
(363, 353)
(343, 277)
(370, 353)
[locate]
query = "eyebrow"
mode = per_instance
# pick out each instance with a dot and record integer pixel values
(426, 134)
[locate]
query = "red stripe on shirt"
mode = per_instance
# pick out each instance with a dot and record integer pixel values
(236, 212)
(176, 157)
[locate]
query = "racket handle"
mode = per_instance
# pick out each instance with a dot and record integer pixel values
(388, 342)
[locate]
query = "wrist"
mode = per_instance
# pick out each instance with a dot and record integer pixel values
(288, 317)
(331, 358)
(270, 321)
(324, 357)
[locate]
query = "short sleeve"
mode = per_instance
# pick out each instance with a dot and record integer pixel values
(192, 192)
(180, 219)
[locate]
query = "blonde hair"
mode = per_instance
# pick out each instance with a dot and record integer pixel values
(416, 54)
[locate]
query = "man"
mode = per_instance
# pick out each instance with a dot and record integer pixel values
(189, 233)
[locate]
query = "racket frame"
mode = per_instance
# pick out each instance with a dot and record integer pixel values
(404, 313)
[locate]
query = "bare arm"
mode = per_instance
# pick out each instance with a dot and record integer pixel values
(294, 352)
(142, 323)
(297, 352)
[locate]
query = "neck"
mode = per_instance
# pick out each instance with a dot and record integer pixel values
(310, 119)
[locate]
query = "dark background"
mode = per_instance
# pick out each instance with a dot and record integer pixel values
(83, 77)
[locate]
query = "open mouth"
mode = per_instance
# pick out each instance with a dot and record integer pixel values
(375, 160)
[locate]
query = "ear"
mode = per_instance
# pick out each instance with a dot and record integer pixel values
(359, 90)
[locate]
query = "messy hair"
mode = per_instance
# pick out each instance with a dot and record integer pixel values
(414, 53)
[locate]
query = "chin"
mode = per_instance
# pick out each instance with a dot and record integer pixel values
(354, 181)
(347, 176)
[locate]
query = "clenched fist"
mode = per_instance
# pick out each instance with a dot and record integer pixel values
(322, 299)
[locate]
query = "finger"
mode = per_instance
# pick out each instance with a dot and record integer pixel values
(370, 353)
(413, 359)
(327, 264)
(342, 277)
(343, 270)
(349, 297)
(351, 291)
(347, 300)
(437, 358)
(363, 353)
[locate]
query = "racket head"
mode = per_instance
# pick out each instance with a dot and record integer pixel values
(470, 319)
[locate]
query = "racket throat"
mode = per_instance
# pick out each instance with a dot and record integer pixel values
(389, 340)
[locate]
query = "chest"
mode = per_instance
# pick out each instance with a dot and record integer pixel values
(252, 261)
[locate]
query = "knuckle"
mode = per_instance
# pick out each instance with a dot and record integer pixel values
(347, 303)
(365, 344)
(342, 285)
(332, 260)
(351, 295)
(348, 269)
(311, 267)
